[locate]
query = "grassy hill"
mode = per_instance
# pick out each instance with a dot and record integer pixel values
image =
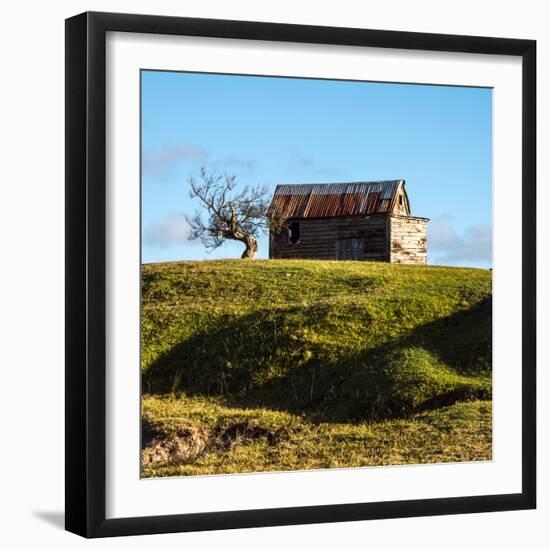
(246, 364)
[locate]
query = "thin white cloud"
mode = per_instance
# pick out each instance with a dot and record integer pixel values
(298, 160)
(447, 246)
(231, 162)
(174, 229)
(162, 159)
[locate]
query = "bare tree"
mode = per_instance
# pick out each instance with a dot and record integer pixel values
(231, 214)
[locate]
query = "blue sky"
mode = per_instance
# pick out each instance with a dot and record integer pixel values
(284, 130)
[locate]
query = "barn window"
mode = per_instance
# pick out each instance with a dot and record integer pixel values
(294, 233)
(400, 200)
(350, 249)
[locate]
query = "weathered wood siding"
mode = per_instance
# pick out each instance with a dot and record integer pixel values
(395, 238)
(408, 240)
(401, 203)
(318, 238)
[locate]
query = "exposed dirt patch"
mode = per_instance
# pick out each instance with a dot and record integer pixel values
(190, 442)
(183, 444)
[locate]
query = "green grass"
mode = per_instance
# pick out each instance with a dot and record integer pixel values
(237, 440)
(336, 346)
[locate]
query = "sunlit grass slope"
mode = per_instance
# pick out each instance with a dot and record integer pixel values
(191, 436)
(335, 346)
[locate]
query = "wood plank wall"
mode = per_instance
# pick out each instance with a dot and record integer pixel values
(318, 238)
(408, 240)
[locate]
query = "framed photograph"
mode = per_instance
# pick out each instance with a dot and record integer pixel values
(300, 274)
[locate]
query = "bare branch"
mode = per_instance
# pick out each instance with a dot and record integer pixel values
(234, 215)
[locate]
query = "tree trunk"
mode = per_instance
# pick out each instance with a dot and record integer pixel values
(251, 247)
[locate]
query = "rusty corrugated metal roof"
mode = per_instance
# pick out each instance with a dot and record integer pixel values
(326, 200)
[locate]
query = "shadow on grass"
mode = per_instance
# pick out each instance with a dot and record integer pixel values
(270, 359)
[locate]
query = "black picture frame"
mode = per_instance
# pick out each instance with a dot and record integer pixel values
(86, 275)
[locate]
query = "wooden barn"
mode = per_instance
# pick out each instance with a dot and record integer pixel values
(348, 221)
